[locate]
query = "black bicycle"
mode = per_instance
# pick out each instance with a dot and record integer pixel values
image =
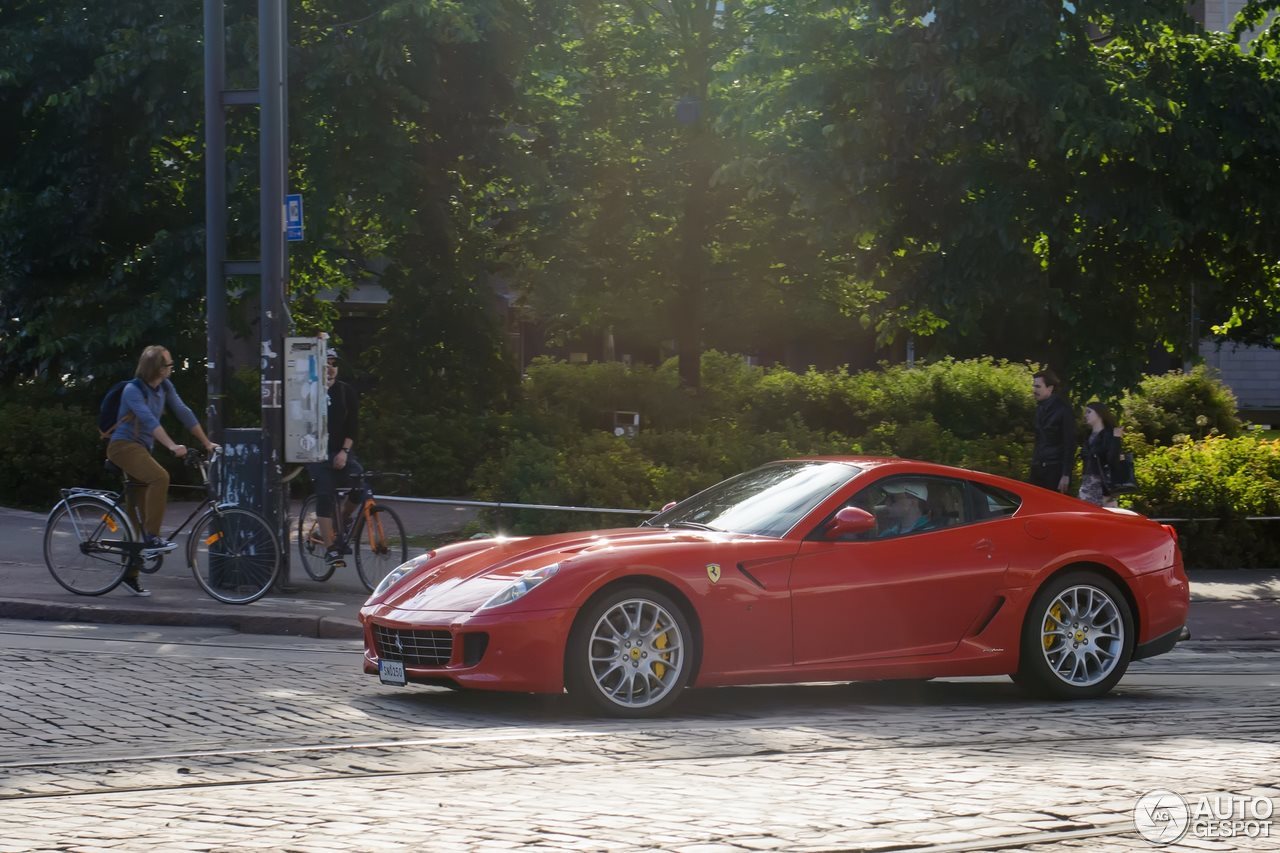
(92, 539)
(373, 533)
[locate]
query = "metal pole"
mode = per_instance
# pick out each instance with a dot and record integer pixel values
(271, 208)
(215, 212)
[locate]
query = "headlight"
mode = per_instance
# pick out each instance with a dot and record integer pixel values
(519, 587)
(397, 574)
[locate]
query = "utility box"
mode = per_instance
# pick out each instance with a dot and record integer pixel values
(306, 405)
(240, 473)
(626, 424)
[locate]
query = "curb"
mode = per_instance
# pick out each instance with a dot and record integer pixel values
(237, 618)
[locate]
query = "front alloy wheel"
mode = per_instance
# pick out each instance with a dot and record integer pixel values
(1078, 637)
(630, 653)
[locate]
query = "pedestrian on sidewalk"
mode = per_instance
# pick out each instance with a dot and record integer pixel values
(1055, 426)
(1100, 450)
(136, 431)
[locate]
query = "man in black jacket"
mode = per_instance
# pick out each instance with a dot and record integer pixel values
(344, 428)
(1054, 453)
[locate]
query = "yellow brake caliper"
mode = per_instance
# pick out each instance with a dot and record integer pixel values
(1049, 624)
(661, 643)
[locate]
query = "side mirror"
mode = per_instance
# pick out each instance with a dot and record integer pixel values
(850, 520)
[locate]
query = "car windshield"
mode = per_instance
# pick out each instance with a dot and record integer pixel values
(767, 501)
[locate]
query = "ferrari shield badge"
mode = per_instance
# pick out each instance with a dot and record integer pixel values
(713, 572)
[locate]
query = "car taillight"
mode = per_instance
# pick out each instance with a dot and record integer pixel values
(1172, 532)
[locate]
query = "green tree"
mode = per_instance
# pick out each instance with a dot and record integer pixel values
(1040, 180)
(401, 124)
(398, 133)
(647, 227)
(100, 184)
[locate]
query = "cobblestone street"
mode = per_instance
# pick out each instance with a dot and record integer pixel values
(171, 747)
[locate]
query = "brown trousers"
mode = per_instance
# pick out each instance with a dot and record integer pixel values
(152, 490)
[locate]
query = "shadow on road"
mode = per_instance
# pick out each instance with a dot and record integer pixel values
(723, 703)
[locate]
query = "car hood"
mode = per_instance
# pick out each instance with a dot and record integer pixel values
(463, 576)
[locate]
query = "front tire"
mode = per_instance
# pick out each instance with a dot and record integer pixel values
(234, 555)
(1078, 637)
(379, 544)
(630, 653)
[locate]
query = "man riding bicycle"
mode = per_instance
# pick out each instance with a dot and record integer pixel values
(327, 477)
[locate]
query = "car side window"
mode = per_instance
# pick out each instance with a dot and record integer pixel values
(994, 503)
(910, 505)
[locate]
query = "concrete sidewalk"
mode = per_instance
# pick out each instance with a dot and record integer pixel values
(302, 607)
(1227, 606)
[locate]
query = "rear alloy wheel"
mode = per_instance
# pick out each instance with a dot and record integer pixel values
(1078, 638)
(630, 653)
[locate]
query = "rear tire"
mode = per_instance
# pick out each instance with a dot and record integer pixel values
(87, 570)
(234, 555)
(630, 653)
(379, 544)
(1078, 637)
(311, 545)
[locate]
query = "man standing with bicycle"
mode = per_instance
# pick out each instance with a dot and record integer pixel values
(326, 477)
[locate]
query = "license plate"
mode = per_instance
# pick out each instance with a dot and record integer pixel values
(391, 672)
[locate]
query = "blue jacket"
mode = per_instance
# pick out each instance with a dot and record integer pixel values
(146, 404)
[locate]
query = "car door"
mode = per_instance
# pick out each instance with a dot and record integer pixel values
(910, 592)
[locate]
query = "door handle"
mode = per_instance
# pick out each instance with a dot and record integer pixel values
(984, 545)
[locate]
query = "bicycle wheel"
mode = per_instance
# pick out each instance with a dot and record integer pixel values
(234, 555)
(310, 543)
(86, 545)
(379, 544)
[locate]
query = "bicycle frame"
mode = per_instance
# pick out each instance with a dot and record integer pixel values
(112, 499)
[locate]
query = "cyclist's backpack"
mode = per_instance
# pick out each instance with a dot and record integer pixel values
(108, 413)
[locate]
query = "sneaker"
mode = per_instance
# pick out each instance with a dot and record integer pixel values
(333, 557)
(155, 545)
(135, 586)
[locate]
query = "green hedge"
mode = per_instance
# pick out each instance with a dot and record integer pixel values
(1222, 479)
(51, 446)
(1175, 405)
(555, 444)
(970, 413)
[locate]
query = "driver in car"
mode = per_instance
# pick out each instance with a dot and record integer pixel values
(907, 509)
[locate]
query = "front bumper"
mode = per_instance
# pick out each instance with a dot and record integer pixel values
(521, 652)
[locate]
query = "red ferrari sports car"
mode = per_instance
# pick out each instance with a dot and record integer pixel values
(816, 569)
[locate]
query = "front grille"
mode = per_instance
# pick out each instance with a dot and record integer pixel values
(414, 648)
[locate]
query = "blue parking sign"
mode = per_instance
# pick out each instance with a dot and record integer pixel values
(293, 217)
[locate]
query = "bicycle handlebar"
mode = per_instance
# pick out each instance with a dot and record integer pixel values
(196, 456)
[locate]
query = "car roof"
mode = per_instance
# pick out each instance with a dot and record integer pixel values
(899, 465)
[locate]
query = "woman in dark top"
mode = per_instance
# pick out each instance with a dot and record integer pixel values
(1101, 452)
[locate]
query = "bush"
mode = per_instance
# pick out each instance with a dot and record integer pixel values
(1220, 481)
(969, 413)
(1216, 477)
(52, 446)
(600, 470)
(597, 469)
(1195, 404)
(436, 450)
